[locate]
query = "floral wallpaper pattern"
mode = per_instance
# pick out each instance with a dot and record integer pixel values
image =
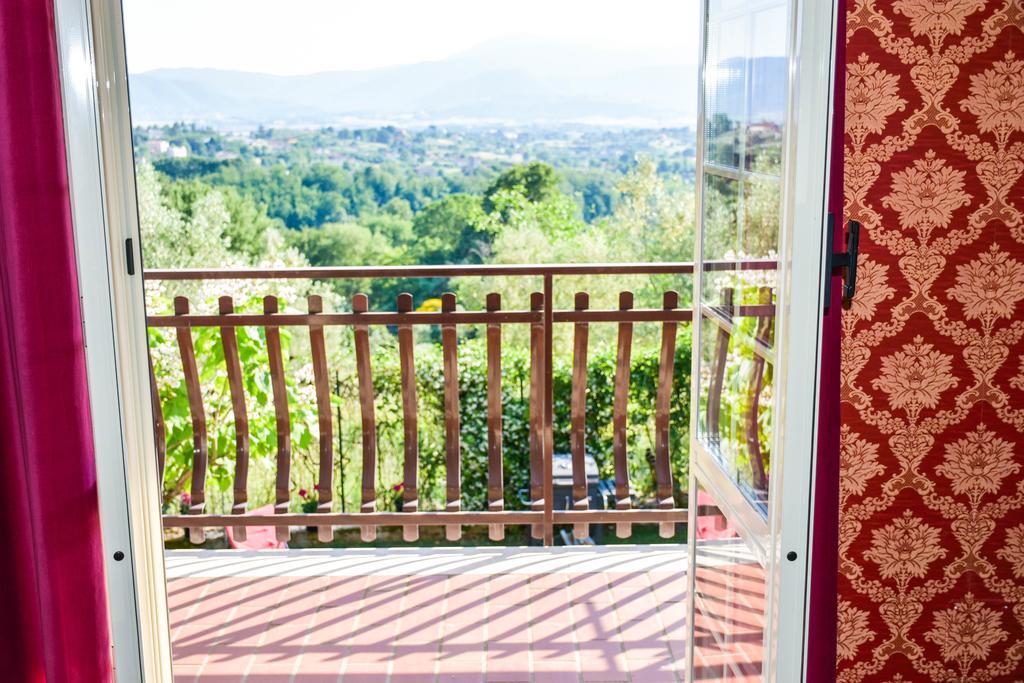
(932, 443)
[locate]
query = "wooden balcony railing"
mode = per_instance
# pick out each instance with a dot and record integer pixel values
(541, 317)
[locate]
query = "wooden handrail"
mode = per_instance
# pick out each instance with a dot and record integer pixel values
(637, 315)
(462, 270)
(431, 518)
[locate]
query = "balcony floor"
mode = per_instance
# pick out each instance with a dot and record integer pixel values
(410, 615)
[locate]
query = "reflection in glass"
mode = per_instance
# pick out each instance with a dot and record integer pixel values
(745, 108)
(768, 86)
(737, 384)
(759, 237)
(729, 600)
(721, 228)
(725, 86)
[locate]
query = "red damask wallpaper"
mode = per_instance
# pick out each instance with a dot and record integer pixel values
(932, 487)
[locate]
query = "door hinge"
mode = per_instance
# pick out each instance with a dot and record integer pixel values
(845, 261)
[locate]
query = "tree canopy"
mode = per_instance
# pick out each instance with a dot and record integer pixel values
(536, 181)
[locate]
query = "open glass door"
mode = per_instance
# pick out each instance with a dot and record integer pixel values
(762, 158)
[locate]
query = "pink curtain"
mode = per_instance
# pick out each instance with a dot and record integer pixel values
(52, 595)
(821, 641)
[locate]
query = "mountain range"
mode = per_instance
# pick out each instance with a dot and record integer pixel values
(514, 81)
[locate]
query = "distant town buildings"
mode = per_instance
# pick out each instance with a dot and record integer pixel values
(163, 148)
(157, 147)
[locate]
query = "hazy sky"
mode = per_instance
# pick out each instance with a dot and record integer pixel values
(305, 36)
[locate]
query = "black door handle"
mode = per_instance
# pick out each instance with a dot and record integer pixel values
(845, 260)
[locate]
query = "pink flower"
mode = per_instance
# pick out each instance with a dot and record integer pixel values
(303, 492)
(398, 487)
(186, 499)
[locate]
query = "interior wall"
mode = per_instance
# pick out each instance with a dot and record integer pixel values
(931, 582)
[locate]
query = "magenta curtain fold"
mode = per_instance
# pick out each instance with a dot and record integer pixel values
(821, 641)
(54, 624)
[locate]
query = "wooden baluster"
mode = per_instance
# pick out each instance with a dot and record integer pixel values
(662, 415)
(495, 465)
(159, 429)
(364, 374)
(229, 340)
(282, 419)
(549, 394)
(714, 407)
(764, 333)
(325, 481)
(452, 443)
(620, 405)
(197, 494)
(410, 488)
(536, 412)
(578, 417)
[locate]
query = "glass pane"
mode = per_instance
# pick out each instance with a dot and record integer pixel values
(729, 600)
(725, 87)
(721, 224)
(746, 59)
(768, 90)
(737, 381)
(761, 219)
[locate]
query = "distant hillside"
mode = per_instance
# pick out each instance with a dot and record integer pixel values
(503, 81)
(512, 81)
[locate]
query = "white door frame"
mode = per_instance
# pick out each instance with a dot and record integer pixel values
(101, 177)
(101, 174)
(808, 175)
(798, 338)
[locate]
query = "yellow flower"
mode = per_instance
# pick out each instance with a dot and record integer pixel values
(430, 306)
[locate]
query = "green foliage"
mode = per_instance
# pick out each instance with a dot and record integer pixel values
(451, 230)
(303, 195)
(388, 407)
(247, 224)
(209, 351)
(596, 192)
(188, 168)
(188, 224)
(535, 181)
(742, 221)
(281, 198)
(341, 244)
(182, 228)
(654, 220)
(642, 395)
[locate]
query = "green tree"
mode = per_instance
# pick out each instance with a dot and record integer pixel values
(341, 244)
(399, 207)
(183, 228)
(654, 219)
(451, 230)
(535, 181)
(596, 190)
(248, 225)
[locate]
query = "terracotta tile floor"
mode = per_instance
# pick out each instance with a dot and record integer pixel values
(507, 615)
(729, 633)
